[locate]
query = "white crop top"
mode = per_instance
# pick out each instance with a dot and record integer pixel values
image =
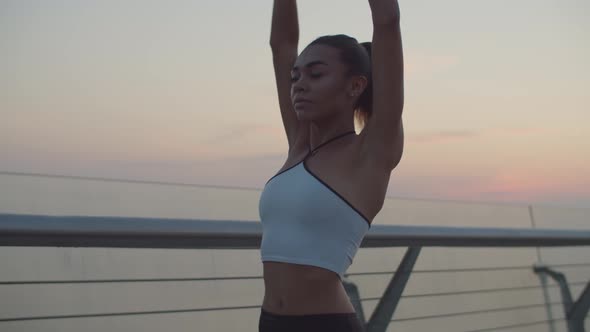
(304, 221)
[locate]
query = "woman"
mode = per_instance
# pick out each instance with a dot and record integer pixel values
(316, 210)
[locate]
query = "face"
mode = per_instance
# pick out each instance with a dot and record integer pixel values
(319, 86)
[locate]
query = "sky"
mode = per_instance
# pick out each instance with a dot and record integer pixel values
(497, 93)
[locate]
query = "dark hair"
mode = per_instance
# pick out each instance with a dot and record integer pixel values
(358, 58)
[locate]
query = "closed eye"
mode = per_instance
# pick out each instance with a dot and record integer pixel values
(295, 78)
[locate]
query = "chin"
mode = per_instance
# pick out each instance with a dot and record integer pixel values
(302, 114)
(307, 113)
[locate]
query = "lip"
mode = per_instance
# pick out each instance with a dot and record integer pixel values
(301, 100)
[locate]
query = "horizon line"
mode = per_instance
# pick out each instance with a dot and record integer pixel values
(180, 184)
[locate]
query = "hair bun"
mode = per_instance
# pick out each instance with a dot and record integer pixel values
(367, 47)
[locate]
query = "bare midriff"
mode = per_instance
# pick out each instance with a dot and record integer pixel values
(294, 289)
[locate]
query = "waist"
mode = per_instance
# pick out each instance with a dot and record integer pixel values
(303, 289)
(291, 273)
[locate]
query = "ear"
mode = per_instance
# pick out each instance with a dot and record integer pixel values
(357, 85)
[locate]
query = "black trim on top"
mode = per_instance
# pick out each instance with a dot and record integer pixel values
(328, 141)
(337, 194)
(274, 176)
(310, 153)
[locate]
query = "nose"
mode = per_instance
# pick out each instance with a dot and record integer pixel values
(299, 85)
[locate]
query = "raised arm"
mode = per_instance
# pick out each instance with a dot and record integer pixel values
(385, 130)
(284, 37)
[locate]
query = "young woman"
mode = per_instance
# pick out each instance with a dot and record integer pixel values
(316, 210)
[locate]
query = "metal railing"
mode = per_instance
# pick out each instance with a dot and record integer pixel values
(119, 232)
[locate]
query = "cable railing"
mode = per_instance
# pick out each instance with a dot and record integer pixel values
(118, 232)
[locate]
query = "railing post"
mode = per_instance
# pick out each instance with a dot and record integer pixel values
(355, 299)
(579, 310)
(385, 309)
(575, 312)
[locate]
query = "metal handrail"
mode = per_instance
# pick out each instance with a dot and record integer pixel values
(124, 232)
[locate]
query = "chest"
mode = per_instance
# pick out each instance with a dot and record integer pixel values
(348, 177)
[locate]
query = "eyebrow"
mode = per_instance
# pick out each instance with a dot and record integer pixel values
(312, 63)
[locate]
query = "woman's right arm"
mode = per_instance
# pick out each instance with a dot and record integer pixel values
(284, 37)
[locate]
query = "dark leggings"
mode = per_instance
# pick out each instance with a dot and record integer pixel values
(337, 322)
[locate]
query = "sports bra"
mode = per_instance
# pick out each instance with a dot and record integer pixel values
(305, 221)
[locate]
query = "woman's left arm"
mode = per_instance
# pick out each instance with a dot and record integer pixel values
(385, 129)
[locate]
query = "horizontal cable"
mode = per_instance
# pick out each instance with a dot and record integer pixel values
(480, 269)
(475, 312)
(168, 183)
(244, 307)
(119, 180)
(476, 269)
(188, 279)
(517, 325)
(111, 314)
(260, 277)
(475, 291)
(98, 281)
(566, 265)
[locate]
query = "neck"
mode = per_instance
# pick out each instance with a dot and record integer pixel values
(322, 132)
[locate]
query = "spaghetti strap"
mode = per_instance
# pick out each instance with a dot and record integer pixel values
(314, 151)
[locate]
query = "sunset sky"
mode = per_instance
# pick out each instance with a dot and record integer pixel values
(497, 104)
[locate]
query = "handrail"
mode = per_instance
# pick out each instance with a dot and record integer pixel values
(125, 232)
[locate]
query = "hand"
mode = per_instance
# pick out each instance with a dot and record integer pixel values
(385, 11)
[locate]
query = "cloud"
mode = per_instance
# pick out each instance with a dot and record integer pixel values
(520, 131)
(442, 136)
(238, 133)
